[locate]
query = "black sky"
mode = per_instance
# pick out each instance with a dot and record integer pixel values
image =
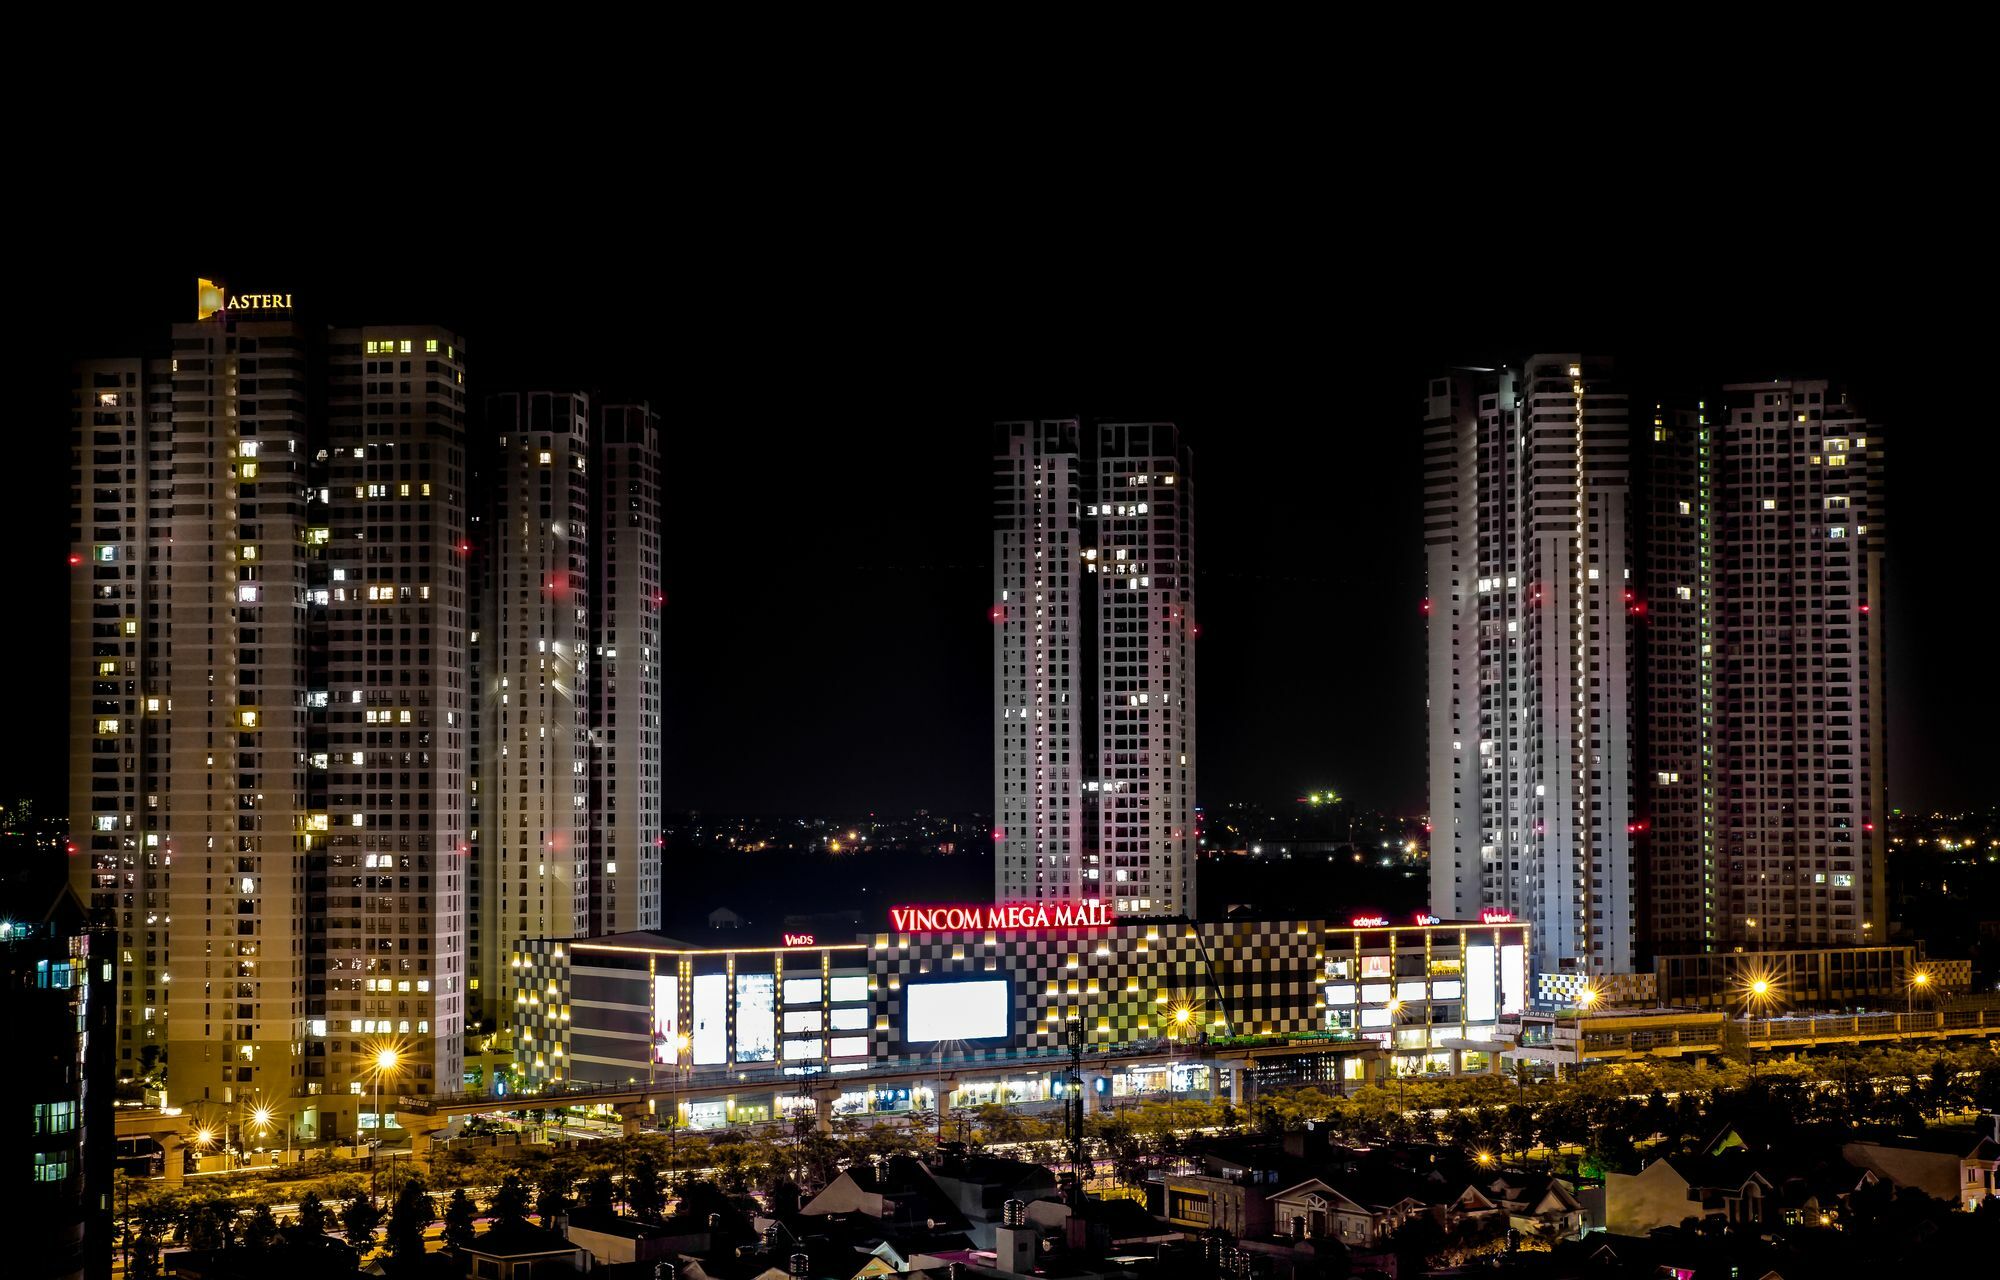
(828, 382)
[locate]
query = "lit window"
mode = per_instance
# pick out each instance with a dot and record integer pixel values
(430, 346)
(546, 457)
(404, 347)
(1770, 504)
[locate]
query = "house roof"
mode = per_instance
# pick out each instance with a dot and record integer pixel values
(519, 1240)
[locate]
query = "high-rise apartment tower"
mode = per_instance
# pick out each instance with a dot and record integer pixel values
(1093, 651)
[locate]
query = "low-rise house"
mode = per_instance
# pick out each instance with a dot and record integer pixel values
(1958, 1166)
(518, 1251)
(1534, 1203)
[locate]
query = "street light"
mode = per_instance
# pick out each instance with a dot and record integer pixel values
(1586, 999)
(1395, 1007)
(1183, 1014)
(1760, 992)
(1921, 978)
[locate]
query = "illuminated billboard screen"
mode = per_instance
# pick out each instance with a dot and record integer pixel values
(1480, 979)
(711, 1019)
(975, 1010)
(1513, 978)
(756, 1017)
(666, 1017)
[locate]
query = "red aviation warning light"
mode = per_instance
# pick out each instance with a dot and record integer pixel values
(75, 560)
(998, 613)
(1425, 607)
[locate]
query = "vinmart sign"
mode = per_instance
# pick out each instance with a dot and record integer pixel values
(1009, 916)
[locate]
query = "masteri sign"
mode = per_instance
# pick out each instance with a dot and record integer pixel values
(1006, 915)
(212, 296)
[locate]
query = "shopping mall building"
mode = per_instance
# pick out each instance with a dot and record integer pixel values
(979, 990)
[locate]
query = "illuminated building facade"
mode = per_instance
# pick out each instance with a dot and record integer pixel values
(265, 537)
(1764, 677)
(121, 513)
(628, 596)
(1093, 651)
(1422, 997)
(1800, 710)
(569, 793)
(397, 730)
(1531, 605)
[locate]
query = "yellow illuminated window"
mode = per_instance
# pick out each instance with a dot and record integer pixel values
(430, 346)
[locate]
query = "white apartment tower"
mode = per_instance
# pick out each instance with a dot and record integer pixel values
(1528, 482)
(1094, 629)
(569, 792)
(239, 828)
(397, 729)
(1799, 711)
(268, 641)
(121, 513)
(535, 641)
(627, 736)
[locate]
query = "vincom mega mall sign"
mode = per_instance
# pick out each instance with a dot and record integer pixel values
(1012, 916)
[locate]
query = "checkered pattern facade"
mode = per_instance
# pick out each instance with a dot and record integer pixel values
(538, 994)
(1614, 990)
(1121, 982)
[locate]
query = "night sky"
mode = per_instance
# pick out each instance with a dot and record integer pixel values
(828, 408)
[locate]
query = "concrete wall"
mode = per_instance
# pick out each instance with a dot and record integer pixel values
(1656, 1196)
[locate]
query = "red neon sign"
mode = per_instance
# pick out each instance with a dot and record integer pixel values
(799, 940)
(1424, 917)
(1007, 915)
(1369, 922)
(1496, 917)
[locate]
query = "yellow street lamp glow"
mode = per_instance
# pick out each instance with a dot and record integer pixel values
(1587, 997)
(1485, 1158)
(1922, 979)
(262, 1115)
(681, 1042)
(1760, 987)
(386, 1060)
(204, 1136)
(1182, 1014)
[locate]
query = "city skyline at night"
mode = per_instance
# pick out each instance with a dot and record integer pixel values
(834, 508)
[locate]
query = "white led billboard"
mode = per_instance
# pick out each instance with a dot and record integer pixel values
(1513, 978)
(977, 1010)
(756, 1017)
(1480, 979)
(711, 1019)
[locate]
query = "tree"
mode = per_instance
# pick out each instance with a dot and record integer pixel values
(409, 1216)
(642, 1188)
(553, 1196)
(211, 1224)
(313, 1219)
(600, 1197)
(510, 1201)
(460, 1217)
(145, 1261)
(260, 1228)
(358, 1218)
